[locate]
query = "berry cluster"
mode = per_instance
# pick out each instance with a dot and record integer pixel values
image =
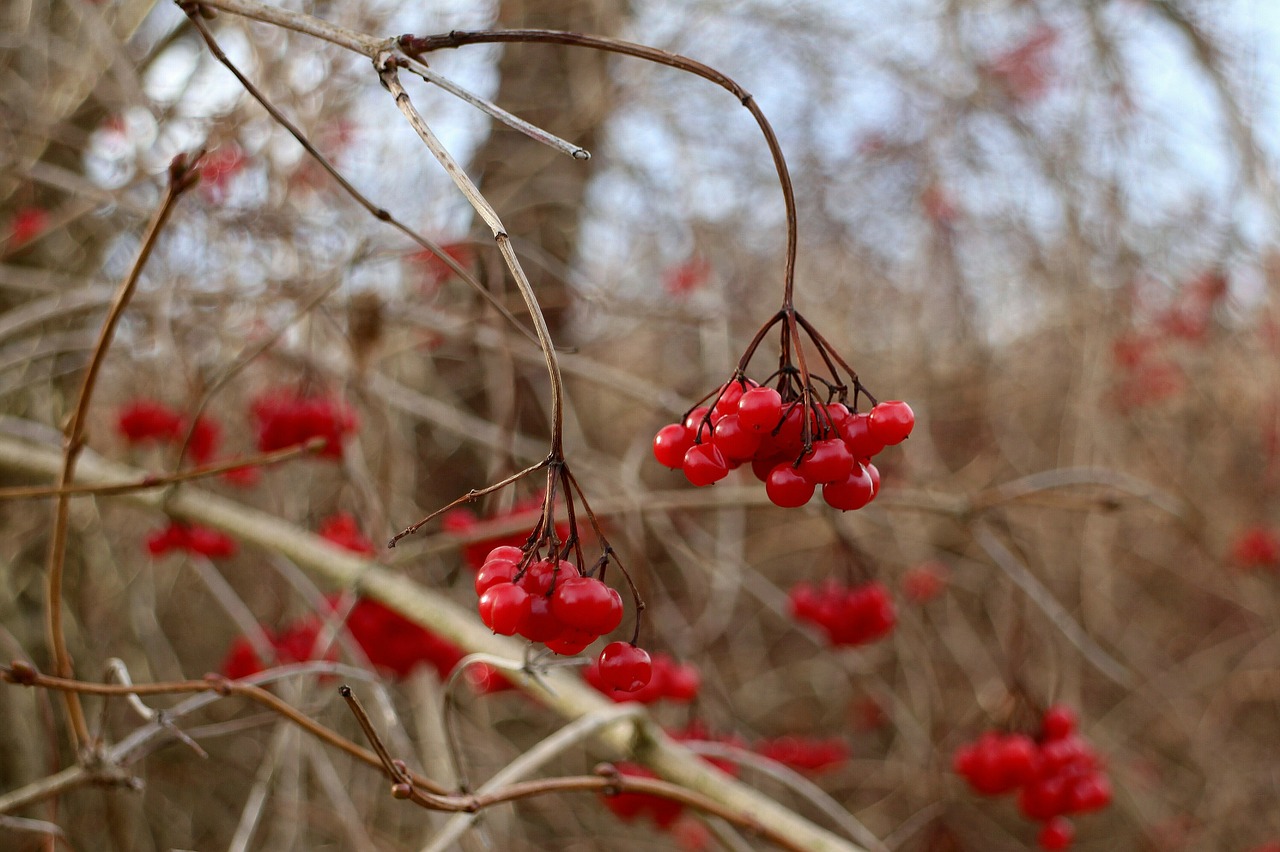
(285, 419)
(849, 615)
(553, 602)
(1056, 776)
(678, 682)
(148, 421)
(751, 424)
(805, 754)
(191, 538)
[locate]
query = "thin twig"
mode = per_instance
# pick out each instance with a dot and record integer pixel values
(386, 65)
(534, 759)
(115, 489)
(534, 132)
(181, 177)
(377, 212)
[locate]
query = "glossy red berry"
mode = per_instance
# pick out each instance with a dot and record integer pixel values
(891, 422)
(760, 409)
(625, 667)
(694, 423)
(787, 488)
(585, 603)
(829, 461)
(854, 492)
(858, 438)
(492, 573)
(704, 465)
(671, 443)
(735, 441)
(503, 608)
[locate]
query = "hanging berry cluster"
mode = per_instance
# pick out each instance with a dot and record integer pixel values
(798, 430)
(848, 615)
(547, 592)
(1056, 776)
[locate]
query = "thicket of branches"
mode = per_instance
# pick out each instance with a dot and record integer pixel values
(1005, 218)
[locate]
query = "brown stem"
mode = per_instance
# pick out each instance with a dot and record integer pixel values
(470, 496)
(24, 675)
(147, 482)
(182, 176)
(415, 45)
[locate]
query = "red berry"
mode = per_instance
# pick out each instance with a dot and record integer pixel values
(1089, 793)
(625, 667)
(829, 461)
(698, 430)
(858, 438)
(760, 409)
(854, 492)
(1056, 834)
(505, 553)
(585, 603)
(730, 394)
(890, 422)
(541, 574)
(874, 473)
(492, 573)
(571, 642)
(704, 465)
(671, 443)
(734, 440)
(786, 488)
(503, 608)
(540, 623)
(1059, 722)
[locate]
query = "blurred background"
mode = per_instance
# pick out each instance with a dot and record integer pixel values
(1050, 226)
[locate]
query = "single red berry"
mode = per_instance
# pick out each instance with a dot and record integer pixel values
(503, 608)
(585, 603)
(891, 422)
(506, 553)
(698, 429)
(542, 573)
(838, 414)
(492, 573)
(729, 397)
(625, 667)
(858, 438)
(671, 443)
(734, 440)
(1059, 722)
(854, 492)
(829, 461)
(786, 488)
(704, 464)
(1056, 834)
(760, 409)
